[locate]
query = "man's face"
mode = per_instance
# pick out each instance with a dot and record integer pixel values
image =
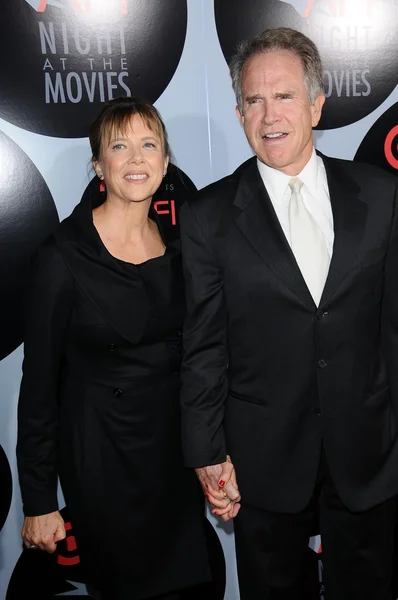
(277, 115)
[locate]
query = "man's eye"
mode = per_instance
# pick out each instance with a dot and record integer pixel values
(118, 146)
(149, 145)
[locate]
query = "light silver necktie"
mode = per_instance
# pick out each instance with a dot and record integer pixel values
(307, 242)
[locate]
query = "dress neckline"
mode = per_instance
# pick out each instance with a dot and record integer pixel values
(120, 260)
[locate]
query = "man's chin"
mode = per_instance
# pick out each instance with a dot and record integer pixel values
(274, 163)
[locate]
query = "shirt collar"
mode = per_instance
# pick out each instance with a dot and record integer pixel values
(309, 175)
(277, 182)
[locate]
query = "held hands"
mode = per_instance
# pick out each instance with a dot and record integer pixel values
(44, 531)
(220, 488)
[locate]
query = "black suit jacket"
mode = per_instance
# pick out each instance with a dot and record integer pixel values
(268, 377)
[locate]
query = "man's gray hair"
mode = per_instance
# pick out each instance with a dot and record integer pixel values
(282, 38)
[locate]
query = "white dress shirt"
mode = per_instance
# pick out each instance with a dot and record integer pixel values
(315, 192)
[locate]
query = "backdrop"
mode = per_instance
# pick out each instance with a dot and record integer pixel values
(59, 61)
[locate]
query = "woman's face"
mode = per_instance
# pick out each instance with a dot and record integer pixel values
(132, 162)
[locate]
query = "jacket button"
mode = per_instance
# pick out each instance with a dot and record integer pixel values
(112, 347)
(321, 314)
(179, 333)
(177, 373)
(117, 392)
(322, 363)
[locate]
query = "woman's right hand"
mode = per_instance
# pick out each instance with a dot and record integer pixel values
(44, 531)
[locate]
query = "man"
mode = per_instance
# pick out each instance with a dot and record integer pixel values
(290, 373)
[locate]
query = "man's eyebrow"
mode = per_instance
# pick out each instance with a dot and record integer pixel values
(252, 97)
(285, 93)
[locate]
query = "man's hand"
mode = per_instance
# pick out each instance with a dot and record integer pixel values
(44, 531)
(221, 489)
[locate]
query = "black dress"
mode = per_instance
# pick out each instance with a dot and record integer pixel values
(99, 405)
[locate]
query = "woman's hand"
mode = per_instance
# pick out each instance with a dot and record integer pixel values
(44, 531)
(221, 489)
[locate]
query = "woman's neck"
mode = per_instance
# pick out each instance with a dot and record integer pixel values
(126, 220)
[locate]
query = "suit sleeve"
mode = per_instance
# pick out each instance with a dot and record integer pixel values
(205, 361)
(48, 306)
(390, 309)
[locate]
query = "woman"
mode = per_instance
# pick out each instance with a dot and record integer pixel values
(99, 395)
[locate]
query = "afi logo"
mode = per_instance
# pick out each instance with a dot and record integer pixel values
(391, 141)
(71, 547)
(80, 6)
(166, 207)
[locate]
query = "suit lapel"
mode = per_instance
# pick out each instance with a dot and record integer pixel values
(260, 226)
(349, 219)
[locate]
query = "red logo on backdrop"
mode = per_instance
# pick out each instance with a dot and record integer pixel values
(71, 546)
(391, 146)
(166, 207)
(175, 189)
(60, 60)
(380, 145)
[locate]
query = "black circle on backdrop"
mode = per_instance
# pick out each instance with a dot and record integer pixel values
(5, 487)
(359, 52)
(380, 145)
(58, 66)
(358, 48)
(236, 21)
(28, 215)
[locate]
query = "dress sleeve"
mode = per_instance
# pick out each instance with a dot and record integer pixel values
(48, 307)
